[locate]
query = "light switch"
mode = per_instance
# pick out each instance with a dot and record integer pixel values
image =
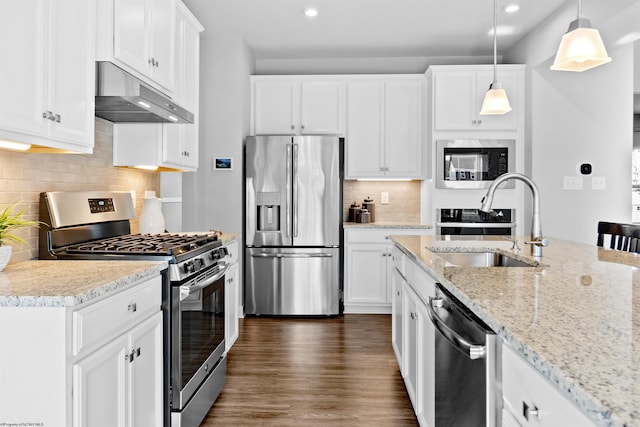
(572, 183)
(384, 197)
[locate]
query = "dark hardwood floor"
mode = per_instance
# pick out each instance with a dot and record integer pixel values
(313, 372)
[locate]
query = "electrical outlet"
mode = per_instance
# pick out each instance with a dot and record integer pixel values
(572, 183)
(598, 183)
(384, 197)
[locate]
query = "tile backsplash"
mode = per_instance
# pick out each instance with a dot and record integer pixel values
(404, 199)
(23, 176)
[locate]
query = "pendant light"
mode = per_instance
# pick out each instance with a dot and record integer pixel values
(581, 47)
(495, 100)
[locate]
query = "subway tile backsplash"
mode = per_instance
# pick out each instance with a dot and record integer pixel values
(23, 176)
(404, 199)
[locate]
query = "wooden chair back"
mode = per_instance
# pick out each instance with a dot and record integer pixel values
(622, 237)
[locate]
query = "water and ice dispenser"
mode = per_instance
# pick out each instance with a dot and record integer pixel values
(268, 215)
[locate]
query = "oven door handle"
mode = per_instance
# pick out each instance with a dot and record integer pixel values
(472, 351)
(186, 290)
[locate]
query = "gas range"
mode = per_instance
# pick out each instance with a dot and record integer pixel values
(95, 226)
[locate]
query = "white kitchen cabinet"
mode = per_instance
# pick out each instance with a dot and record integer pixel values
(295, 106)
(143, 38)
(458, 92)
(95, 364)
(531, 400)
(397, 313)
(369, 269)
(385, 128)
(232, 297)
(120, 384)
(181, 146)
(418, 344)
(170, 147)
(47, 82)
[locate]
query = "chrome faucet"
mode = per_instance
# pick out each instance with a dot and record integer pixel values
(537, 242)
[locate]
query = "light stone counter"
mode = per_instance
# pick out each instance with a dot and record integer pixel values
(386, 224)
(575, 318)
(61, 283)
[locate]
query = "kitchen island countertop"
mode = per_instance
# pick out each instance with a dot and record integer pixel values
(575, 317)
(66, 283)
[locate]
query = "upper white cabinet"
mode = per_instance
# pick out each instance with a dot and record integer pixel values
(458, 91)
(380, 116)
(385, 128)
(139, 35)
(47, 80)
(291, 106)
(168, 146)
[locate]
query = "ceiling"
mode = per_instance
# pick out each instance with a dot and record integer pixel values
(277, 29)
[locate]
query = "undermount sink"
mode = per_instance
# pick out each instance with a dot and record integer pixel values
(481, 259)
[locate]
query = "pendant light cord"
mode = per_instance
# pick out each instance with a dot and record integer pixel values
(579, 8)
(495, 39)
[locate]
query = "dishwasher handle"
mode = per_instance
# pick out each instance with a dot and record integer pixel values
(472, 351)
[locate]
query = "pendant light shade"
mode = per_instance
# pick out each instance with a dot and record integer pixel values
(495, 100)
(581, 48)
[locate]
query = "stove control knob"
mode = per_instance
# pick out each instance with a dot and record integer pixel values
(215, 255)
(188, 267)
(198, 263)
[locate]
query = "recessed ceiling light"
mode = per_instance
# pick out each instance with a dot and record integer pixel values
(511, 8)
(311, 12)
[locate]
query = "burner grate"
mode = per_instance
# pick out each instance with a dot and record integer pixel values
(146, 244)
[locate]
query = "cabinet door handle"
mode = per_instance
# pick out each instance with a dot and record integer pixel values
(138, 352)
(302, 127)
(132, 307)
(530, 411)
(293, 127)
(414, 315)
(56, 118)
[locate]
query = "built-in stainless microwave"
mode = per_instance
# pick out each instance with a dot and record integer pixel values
(473, 163)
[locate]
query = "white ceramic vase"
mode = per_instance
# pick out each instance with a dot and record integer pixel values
(5, 256)
(151, 220)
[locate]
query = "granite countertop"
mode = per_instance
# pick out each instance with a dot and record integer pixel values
(386, 224)
(62, 283)
(575, 317)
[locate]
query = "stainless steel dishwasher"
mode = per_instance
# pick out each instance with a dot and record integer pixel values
(467, 365)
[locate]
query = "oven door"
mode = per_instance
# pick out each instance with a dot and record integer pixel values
(197, 332)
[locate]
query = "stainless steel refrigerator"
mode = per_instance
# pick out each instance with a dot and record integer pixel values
(293, 220)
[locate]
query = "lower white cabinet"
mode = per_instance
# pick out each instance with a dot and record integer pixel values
(369, 268)
(95, 364)
(120, 384)
(232, 297)
(418, 358)
(531, 400)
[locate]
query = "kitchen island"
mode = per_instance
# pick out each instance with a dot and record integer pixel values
(575, 318)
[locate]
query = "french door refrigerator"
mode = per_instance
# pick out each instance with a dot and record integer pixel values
(293, 219)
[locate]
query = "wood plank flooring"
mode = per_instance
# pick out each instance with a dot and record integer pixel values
(313, 372)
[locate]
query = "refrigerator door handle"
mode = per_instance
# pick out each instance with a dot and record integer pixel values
(295, 190)
(302, 255)
(288, 178)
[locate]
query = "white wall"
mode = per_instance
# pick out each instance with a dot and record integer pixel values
(213, 199)
(580, 117)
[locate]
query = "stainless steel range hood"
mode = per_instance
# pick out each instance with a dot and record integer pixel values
(122, 97)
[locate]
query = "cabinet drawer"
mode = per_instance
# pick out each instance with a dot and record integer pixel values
(114, 315)
(372, 235)
(523, 386)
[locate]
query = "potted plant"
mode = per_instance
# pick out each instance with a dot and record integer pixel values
(11, 219)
